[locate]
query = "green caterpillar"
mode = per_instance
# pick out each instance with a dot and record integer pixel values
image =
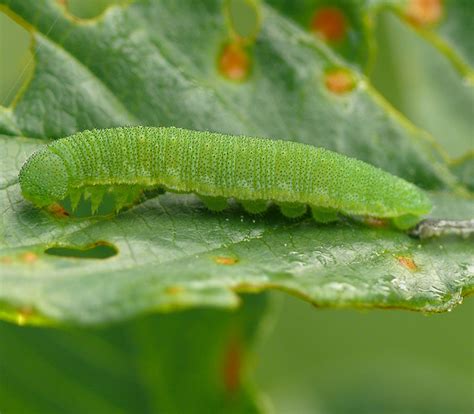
(255, 171)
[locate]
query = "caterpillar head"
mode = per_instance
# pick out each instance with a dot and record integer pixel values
(44, 178)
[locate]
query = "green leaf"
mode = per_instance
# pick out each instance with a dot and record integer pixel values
(141, 64)
(153, 364)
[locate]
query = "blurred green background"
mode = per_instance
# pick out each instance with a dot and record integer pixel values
(334, 361)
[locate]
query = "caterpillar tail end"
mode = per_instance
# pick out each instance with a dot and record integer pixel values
(406, 222)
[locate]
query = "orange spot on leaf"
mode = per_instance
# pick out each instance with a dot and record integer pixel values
(6, 260)
(339, 81)
(58, 210)
(424, 12)
(29, 257)
(330, 24)
(232, 366)
(224, 260)
(234, 62)
(23, 315)
(174, 290)
(376, 222)
(407, 262)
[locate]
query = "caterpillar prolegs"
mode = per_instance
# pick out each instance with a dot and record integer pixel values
(255, 171)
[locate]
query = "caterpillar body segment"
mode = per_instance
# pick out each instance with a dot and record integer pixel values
(126, 161)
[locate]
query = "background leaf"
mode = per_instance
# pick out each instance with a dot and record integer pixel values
(429, 91)
(384, 362)
(153, 364)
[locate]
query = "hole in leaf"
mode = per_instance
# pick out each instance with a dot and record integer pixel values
(424, 12)
(234, 62)
(16, 60)
(330, 24)
(244, 18)
(339, 81)
(98, 250)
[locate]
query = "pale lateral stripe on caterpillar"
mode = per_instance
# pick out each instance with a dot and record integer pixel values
(255, 171)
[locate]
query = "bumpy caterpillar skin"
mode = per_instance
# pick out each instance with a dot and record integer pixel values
(255, 171)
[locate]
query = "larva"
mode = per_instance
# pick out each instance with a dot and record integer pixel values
(216, 167)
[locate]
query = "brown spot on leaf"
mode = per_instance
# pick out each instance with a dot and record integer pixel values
(6, 260)
(58, 211)
(330, 24)
(29, 257)
(23, 315)
(339, 81)
(232, 365)
(174, 290)
(376, 222)
(424, 12)
(407, 262)
(234, 62)
(225, 260)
